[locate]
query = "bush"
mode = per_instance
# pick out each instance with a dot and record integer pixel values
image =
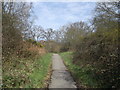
(101, 52)
(35, 43)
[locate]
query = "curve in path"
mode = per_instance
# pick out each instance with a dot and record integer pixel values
(60, 78)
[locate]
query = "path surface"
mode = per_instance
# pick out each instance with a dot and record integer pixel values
(60, 78)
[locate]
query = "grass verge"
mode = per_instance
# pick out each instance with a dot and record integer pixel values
(84, 76)
(41, 70)
(26, 72)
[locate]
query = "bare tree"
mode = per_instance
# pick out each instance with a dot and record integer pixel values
(15, 22)
(47, 34)
(74, 33)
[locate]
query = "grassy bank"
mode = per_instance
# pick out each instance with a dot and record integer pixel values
(26, 72)
(82, 75)
(41, 70)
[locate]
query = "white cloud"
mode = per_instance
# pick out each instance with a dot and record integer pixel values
(54, 15)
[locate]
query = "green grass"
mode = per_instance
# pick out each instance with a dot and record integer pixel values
(26, 72)
(40, 71)
(84, 76)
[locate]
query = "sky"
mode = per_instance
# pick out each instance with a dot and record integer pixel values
(56, 14)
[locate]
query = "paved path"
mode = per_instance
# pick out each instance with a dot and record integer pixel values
(60, 78)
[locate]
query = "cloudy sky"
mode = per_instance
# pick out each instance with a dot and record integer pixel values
(54, 14)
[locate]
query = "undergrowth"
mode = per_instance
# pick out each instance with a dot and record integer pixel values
(84, 76)
(26, 72)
